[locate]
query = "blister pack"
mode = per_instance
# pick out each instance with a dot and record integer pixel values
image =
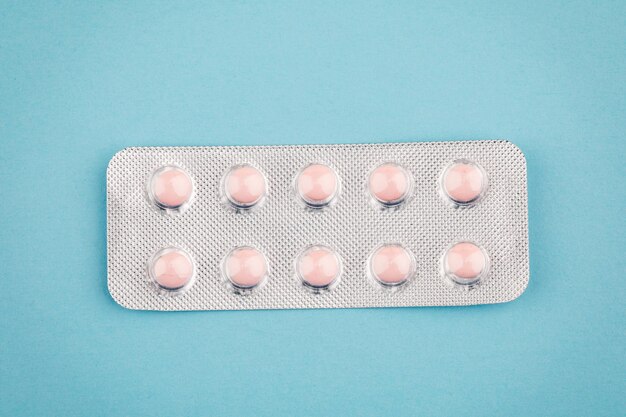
(317, 226)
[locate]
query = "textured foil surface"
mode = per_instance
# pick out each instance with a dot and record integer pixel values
(282, 227)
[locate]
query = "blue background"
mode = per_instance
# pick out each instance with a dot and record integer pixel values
(79, 81)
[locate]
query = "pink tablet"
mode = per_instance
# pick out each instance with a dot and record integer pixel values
(392, 265)
(389, 184)
(172, 269)
(245, 267)
(317, 185)
(465, 263)
(318, 267)
(170, 187)
(244, 186)
(464, 182)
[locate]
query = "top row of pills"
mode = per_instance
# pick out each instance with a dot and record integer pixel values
(463, 183)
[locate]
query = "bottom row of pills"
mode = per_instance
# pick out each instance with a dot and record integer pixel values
(245, 269)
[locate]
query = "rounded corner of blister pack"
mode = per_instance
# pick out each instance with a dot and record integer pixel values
(516, 148)
(119, 300)
(115, 159)
(521, 290)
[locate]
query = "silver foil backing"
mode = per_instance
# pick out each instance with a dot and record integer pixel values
(282, 227)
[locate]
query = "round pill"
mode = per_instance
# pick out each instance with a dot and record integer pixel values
(317, 184)
(389, 184)
(392, 265)
(245, 267)
(171, 187)
(465, 262)
(244, 186)
(318, 266)
(172, 269)
(463, 182)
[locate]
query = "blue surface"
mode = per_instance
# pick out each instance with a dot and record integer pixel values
(79, 81)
